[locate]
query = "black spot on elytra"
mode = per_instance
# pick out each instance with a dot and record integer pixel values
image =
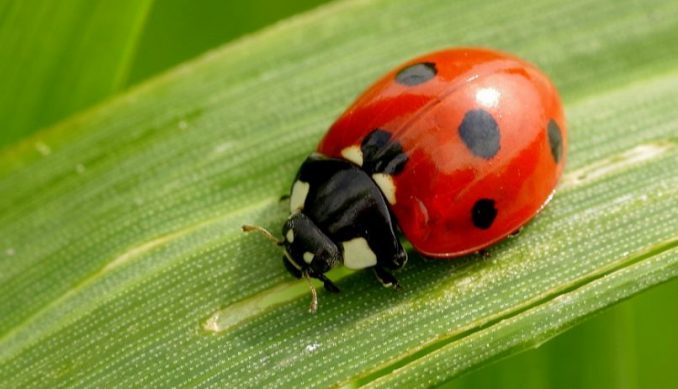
(382, 154)
(416, 74)
(483, 213)
(555, 140)
(480, 133)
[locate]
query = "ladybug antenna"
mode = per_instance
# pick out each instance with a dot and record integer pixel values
(262, 231)
(314, 295)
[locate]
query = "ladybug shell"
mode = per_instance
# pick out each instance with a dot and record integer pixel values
(484, 137)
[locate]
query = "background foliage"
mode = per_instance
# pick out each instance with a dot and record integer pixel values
(60, 65)
(59, 57)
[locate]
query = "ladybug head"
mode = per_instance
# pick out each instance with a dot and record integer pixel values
(308, 251)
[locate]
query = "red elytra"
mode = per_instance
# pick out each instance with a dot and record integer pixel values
(485, 136)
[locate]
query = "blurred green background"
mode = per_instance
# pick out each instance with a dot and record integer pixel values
(58, 67)
(60, 57)
(177, 30)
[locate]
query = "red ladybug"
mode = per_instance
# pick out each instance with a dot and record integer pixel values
(457, 148)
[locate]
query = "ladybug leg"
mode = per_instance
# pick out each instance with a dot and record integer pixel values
(284, 197)
(484, 253)
(385, 278)
(327, 283)
(291, 268)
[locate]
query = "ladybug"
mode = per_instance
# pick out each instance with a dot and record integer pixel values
(456, 149)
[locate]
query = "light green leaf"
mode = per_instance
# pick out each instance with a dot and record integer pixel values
(58, 57)
(119, 229)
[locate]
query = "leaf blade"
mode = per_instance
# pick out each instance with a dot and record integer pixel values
(183, 156)
(54, 62)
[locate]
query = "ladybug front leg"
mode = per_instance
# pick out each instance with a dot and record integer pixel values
(385, 278)
(327, 283)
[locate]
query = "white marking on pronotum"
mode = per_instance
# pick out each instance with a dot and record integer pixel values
(385, 183)
(308, 257)
(358, 255)
(298, 197)
(353, 154)
(290, 235)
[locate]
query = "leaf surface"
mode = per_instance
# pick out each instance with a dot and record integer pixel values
(122, 252)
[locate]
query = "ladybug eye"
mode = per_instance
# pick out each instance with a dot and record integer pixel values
(416, 74)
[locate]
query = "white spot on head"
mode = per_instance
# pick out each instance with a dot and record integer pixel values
(489, 97)
(387, 186)
(298, 197)
(358, 255)
(308, 257)
(290, 235)
(353, 154)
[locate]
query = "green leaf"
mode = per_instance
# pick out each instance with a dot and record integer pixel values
(177, 30)
(628, 346)
(58, 57)
(119, 228)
